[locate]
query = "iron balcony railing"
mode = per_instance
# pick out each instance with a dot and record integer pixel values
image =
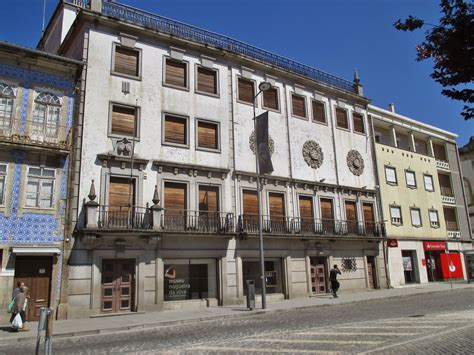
(280, 225)
(452, 226)
(446, 191)
(124, 217)
(197, 221)
(181, 30)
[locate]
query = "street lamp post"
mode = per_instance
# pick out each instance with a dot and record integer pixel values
(262, 87)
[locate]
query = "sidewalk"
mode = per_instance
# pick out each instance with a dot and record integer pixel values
(134, 321)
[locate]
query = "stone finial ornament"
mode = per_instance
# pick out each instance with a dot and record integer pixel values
(271, 143)
(156, 198)
(313, 154)
(92, 195)
(355, 162)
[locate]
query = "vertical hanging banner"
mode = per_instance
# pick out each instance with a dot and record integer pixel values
(263, 149)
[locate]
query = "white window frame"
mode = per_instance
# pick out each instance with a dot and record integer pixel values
(415, 209)
(3, 182)
(411, 186)
(398, 221)
(394, 174)
(43, 122)
(432, 182)
(41, 179)
(433, 223)
(7, 93)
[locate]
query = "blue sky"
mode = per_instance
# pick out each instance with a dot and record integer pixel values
(332, 35)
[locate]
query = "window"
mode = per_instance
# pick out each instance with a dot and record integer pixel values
(46, 115)
(124, 120)
(382, 135)
(420, 146)
(434, 219)
(439, 152)
(207, 135)
(126, 61)
(403, 141)
(298, 104)
(450, 219)
(246, 90)
(415, 217)
(410, 178)
(270, 99)
(319, 111)
(175, 130)
(7, 97)
(428, 179)
(176, 73)
(391, 175)
(40, 187)
(207, 81)
(396, 215)
(3, 177)
(358, 121)
(208, 198)
(341, 118)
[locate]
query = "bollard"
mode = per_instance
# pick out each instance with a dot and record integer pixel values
(250, 294)
(49, 332)
(41, 326)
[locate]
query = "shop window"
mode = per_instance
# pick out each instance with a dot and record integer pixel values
(176, 73)
(40, 187)
(391, 175)
(124, 120)
(270, 99)
(358, 122)
(7, 98)
(319, 111)
(207, 81)
(428, 180)
(396, 215)
(207, 135)
(175, 130)
(46, 115)
(246, 90)
(410, 179)
(298, 105)
(415, 217)
(434, 219)
(126, 61)
(341, 118)
(273, 275)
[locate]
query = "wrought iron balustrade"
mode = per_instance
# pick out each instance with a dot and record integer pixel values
(124, 217)
(178, 29)
(197, 221)
(270, 224)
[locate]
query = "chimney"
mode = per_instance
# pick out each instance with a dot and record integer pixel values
(392, 107)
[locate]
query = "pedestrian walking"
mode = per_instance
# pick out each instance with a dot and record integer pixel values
(16, 291)
(333, 278)
(21, 304)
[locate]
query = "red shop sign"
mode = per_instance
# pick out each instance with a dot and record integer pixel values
(392, 243)
(434, 245)
(451, 266)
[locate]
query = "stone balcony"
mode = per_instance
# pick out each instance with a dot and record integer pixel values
(441, 164)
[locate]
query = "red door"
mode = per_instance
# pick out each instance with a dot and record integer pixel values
(117, 285)
(318, 275)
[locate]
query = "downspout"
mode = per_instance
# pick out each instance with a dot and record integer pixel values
(331, 116)
(293, 190)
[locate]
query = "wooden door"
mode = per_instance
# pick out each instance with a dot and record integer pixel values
(121, 200)
(250, 210)
(318, 275)
(327, 216)
(175, 206)
(371, 273)
(306, 213)
(276, 203)
(36, 273)
(368, 209)
(351, 217)
(209, 207)
(117, 285)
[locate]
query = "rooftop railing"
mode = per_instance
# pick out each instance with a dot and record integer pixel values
(181, 30)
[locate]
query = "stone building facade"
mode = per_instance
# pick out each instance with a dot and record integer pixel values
(36, 118)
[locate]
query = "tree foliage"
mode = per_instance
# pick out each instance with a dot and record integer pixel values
(450, 45)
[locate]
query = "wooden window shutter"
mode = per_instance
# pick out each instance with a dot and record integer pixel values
(176, 130)
(368, 212)
(246, 90)
(327, 211)
(126, 61)
(121, 193)
(175, 196)
(358, 120)
(306, 207)
(249, 202)
(176, 73)
(341, 118)
(277, 204)
(208, 135)
(208, 198)
(319, 114)
(270, 99)
(124, 120)
(207, 80)
(299, 105)
(351, 212)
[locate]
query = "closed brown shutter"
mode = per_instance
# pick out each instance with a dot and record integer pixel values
(120, 194)
(249, 202)
(444, 181)
(175, 196)
(207, 80)
(123, 120)
(351, 213)
(306, 207)
(208, 135)
(368, 212)
(299, 105)
(341, 118)
(319, 114)
(439, 152)
(176, 73)
(126, 61)
(358, 122)
(277, 204)
(270, 99)
(327, 211)
(208, 198)
(246, 90)
(175, 130)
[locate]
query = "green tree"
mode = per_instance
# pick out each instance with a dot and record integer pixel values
(450, 45)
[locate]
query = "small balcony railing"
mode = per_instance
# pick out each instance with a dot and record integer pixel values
(124, 217)
(196, 221)
(442, 164)
(446, 191)
(452, 226)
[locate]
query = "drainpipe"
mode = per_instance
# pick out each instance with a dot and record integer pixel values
(289, 149)
(331, 116)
